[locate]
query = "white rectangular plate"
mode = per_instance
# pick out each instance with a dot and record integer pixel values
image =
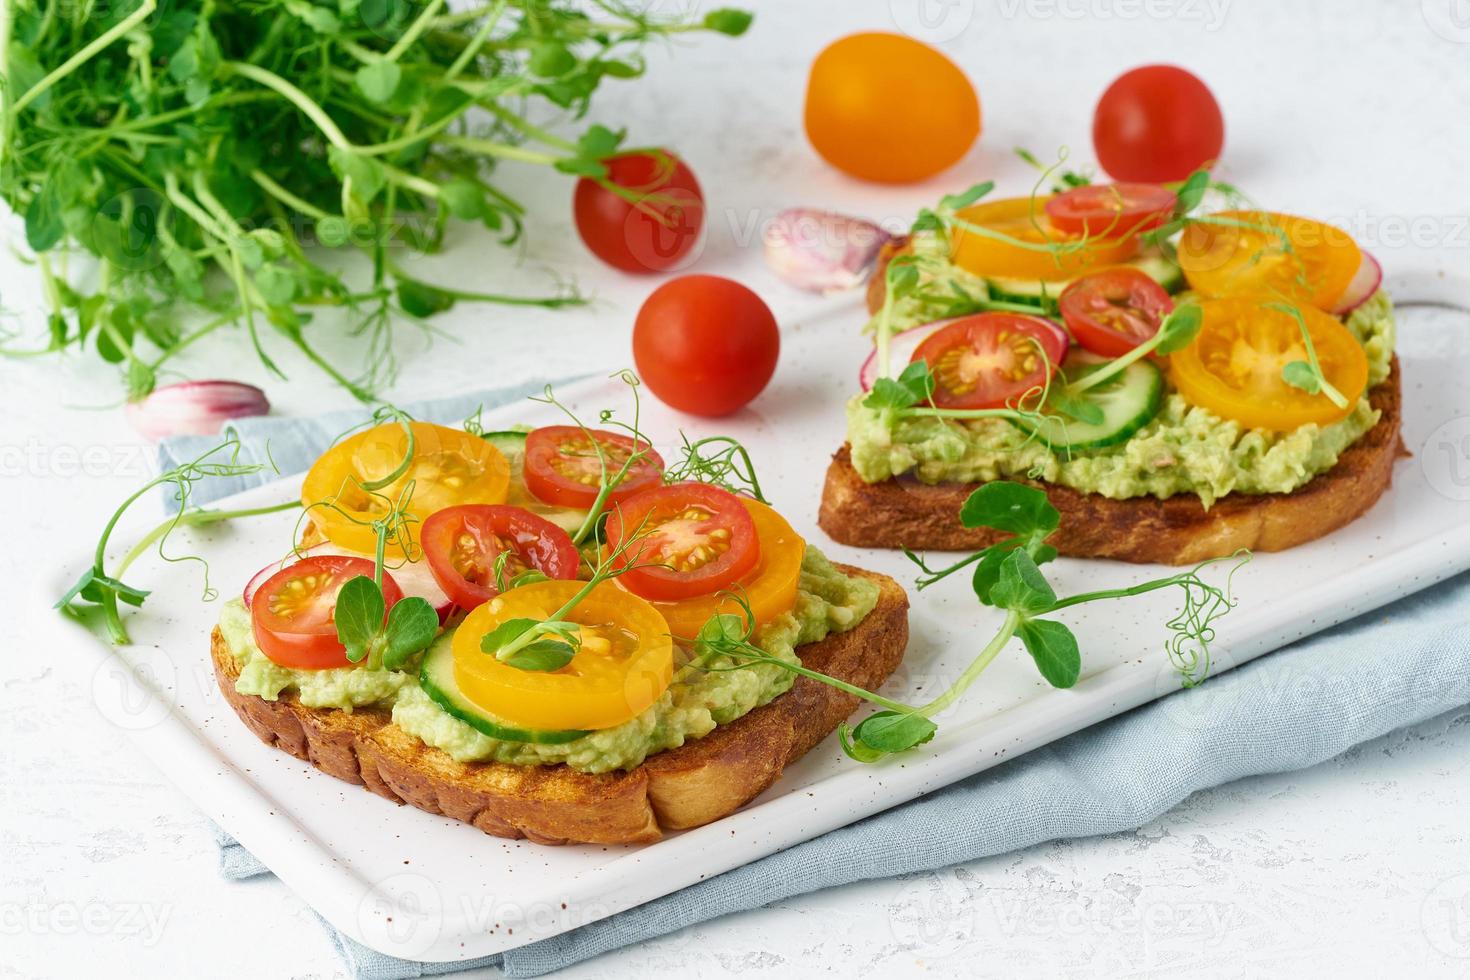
(424, 887)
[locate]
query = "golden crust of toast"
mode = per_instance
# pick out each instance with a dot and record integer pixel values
(701, 781)
(1178, 531)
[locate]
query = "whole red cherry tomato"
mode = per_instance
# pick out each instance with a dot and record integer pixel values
(705, 345)
(653, 225)
(1157, 124)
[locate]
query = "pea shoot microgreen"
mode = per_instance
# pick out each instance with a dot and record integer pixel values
(1007, 576)
(1175, 333)
(1061, 180)
(551, 643)
(102, 591)
(150, 136)
(1307, 375)
(374, 635)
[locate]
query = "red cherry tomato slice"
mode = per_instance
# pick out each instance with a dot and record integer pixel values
(1113, 311)
(1111, 212)
(462, 545)
(292, 613)
(692, 540)
(562, 465)
(991, 359)
(656, 230)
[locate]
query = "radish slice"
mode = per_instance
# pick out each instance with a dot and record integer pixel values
(414, 579)
(1362, 288)
(901, 348)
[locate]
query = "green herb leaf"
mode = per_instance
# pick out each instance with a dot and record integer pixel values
(987, 570)
(501, 636)
(902, 276)
(378, 80)
(44, 227)
(957, 202)
(913, 386)
(581, 167)
(1299, 374)
(1075, 406)
(359, 616)
(367, 175)
(422, 300)
(412, 626)
(727, 20)
(277, 286)
(855, 749)
(543, 655)
(1192, 192)
(599, 142)
(551, 59)
(1021, 586)
(1054, 648)
(1011, 507)
(1179, 328)
(893, 731)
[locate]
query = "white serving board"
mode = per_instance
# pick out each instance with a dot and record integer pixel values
(424, 887)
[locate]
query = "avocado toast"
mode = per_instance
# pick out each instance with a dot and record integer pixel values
(635, 675)
(1268, 417)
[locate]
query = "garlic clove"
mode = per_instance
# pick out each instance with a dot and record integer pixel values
(822, 252)
(198, 408)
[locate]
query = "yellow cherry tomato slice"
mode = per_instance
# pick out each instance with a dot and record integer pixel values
(626, 659)
(1024, 219)
(1260, 253)
(449, 467)
(1233, 366)
(770, 588)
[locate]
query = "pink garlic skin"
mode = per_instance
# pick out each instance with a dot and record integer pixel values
(822, 252)
(199, 408)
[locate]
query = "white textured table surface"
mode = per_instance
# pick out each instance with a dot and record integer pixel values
(1348, 110)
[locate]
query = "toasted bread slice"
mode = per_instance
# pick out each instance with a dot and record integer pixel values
(699, 782)
(1178, 531)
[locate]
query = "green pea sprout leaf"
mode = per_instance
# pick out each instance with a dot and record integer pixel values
(160, 139)
(1054, 648)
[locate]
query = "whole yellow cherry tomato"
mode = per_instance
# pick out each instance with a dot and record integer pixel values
(888, 108)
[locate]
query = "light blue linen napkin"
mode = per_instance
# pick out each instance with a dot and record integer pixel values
(1302, 705)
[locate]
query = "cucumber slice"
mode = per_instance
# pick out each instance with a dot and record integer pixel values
(511, 444)
(1164, 271)
(1129, 402)
(436, 677)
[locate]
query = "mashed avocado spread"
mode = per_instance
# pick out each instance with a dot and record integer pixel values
(1185, 449)
(827, 601)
